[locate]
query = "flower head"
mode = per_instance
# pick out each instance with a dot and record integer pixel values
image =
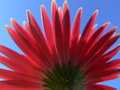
(60, 57)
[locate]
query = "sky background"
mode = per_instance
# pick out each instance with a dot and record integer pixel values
(109, 10)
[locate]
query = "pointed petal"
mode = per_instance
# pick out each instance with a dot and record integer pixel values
(105, 58)
(66, 30)
(76, 26)
(5, 86)
(75, 34)
(48, 27)
(100, 87)
(12, 75)
(59, 36)
(108, 44)
(19, 84)
(53, 10)
(95, 37)
(37, 34)
(87, 32)
(35, 59)
(100, 43)
(25, 37)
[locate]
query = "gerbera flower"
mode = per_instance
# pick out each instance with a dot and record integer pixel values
(60, 58)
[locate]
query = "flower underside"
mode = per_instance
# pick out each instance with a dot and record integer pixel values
(60, 57)
(66, 77)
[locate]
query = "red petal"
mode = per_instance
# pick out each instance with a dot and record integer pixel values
(54, 9)
(16, 65)
(101, 41)
(99, 44)
(10, 87)
(48, 27)
(59, 36)
(18, 58)
(66, 31)
(104, 74)
(27, 39)
(105, 58)
(103, 49)
(76, 27)
(38, 35)
(75, 35)
(107, 45)
(100, 87)
(102, 79)
(19, 84)
(95, 37)
(87, 32)
(12, 75)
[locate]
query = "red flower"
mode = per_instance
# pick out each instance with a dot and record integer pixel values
(60, 58)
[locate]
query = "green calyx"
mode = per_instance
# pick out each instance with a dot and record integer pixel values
(64, 77)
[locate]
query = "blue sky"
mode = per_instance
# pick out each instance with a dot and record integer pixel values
(108, 11)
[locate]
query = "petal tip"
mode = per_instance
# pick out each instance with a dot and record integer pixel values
(66, 2)
(53, 2)
(11, 19)
(28, 11)
(42, 8)
(106, 24)
(80, 9)
(96, 12)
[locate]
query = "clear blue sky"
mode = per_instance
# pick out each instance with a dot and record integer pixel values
(109, 11)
